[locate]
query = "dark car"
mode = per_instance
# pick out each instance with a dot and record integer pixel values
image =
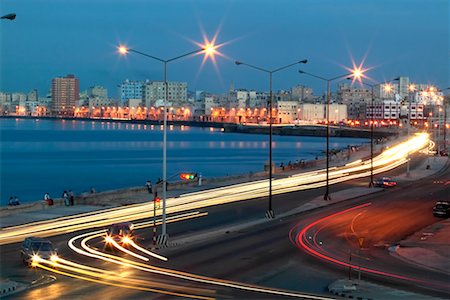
(120, 232)
(384, 182)
(441, 209)
(37, 247)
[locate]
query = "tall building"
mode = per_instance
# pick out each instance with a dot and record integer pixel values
(65, 94)
(130, 89)
(153, 93)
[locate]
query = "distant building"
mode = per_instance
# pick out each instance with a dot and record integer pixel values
(153, 93)
(287, 111)
(97, 91)
(131, 89)
(65, 94)
(302, 93)
(356, 100)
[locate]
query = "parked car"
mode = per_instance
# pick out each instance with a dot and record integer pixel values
(441, 209)
(120, 232)
(33, 246)
(384, 182)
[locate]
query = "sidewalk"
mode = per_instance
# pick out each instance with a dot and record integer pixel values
(364, 290)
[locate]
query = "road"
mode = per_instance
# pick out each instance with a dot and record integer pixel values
(263, 255)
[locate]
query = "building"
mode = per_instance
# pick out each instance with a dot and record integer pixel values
(317, 113)
(287, 111)
(65, 94)
(130, 89)
(302, 93)
(356, 100)
(97, 91)
(153, 93)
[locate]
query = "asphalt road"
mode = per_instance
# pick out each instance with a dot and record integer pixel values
(263, 255)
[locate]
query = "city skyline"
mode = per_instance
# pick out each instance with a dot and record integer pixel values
(388, 40)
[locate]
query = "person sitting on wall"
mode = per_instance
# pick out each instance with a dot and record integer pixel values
(47, 199)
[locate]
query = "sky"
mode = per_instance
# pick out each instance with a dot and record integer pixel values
(390, 38)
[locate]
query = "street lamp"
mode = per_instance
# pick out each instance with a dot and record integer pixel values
(270, 214)
(209, 51)
(356, 74)
(372, 116)
(10, 16)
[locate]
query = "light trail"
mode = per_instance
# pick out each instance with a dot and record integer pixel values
(302, 242)
(109, 280)
(90, 252)
(387, 160)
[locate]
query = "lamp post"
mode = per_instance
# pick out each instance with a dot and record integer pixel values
(445, 119)
(270, 214)
(124, 50)
(372, 121)
(10, 16)
(356, 73)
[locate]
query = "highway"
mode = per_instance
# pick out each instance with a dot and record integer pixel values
(249, 259)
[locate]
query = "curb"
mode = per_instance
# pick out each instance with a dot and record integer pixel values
(8, 287)
(340, 293)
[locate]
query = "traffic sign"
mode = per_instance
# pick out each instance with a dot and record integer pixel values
(360, 241)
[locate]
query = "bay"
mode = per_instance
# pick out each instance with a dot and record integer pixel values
(39, 156)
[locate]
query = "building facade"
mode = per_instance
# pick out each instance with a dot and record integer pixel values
(153, 93)
(130, 89)
(65, 94)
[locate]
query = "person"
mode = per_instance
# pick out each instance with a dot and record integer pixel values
(71, 198)
(282, 166)
(11, 201)
(48, 199)
(65, 195)
(149, 186)
(92, 190)
(16, 201)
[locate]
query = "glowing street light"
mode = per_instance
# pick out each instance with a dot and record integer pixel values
(270, 214)
(357, 73)
(209, 50)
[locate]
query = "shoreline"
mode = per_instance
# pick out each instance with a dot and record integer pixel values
(124, 196)
(309, 130)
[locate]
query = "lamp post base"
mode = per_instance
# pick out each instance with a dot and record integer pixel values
(270, 214)
(327, 197)
(371, 185)
(162, 239)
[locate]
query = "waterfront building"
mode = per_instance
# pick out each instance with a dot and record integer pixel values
(153, 93)
(131, 89)
(287, 111)
(316, 113)
(65, 94)
(356, 100)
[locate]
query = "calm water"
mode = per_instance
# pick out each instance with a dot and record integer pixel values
(39, 156)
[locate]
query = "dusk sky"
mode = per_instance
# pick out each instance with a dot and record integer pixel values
(53, 38)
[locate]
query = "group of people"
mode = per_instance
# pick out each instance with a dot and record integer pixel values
(13, 201)
(297, 164)
(69, 198)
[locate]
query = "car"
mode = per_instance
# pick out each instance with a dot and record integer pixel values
(441, 209)
(384, 182)
(33, 247)
(120, 233)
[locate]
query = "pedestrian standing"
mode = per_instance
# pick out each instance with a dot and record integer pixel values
(71, 198)
(16, 201)
(149, 186)
(11, 201)
(65, 195)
